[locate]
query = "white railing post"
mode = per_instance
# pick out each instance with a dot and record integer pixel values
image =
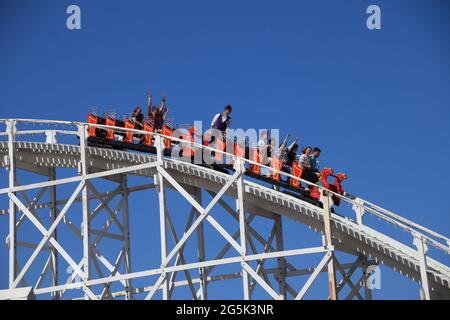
(50, 136)
(54, 252)
(327, 203)
(159, 182)
(422, 249)
(358, 207)
(11, 131)
(203, 275)
(82, 129)
(159, 144)
(281, 261)
(239, 167)
(126, 233)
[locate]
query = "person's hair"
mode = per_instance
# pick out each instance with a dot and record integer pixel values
(317, 149)
(305, 148)
(136, 109)
(228, 107)
(294, 147)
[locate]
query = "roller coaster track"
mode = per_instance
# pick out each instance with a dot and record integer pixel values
(25, 150)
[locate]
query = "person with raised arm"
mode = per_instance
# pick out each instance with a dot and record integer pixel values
(157, 114)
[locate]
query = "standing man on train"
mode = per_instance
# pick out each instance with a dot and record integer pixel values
(222, 121)
(219, 125)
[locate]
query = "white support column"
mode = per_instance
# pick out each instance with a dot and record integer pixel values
(359, 210)
(327, 202)
(239, 167)
(54, 252)
(126, 234)
(86, 209)
(201, 249)
(11, 128)
(422, 249)
(281, 261)
(159, 181)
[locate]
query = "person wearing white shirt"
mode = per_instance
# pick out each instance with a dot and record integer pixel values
(222, 121)
(263, 148)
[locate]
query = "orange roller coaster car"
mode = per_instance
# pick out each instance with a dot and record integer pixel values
(335, 187)
(188, 150)
(167, 131)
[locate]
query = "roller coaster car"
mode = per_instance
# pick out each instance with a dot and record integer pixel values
(148, 138)
(297, 172)
(187, 149)
(221, 145)
(93, 118)
(275, 162)
(257, 157)
(335, 187)
(167, 130)
(240, 149)
(111, 120)
(126, 140)
(129, 135)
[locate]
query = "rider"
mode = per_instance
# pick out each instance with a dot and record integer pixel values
(291, 155)
(263, 147)
(138, 117)
(305, 163)
(313, 159)
(158, 114)
(222, 121)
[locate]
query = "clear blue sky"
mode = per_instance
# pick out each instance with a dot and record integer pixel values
(376, 102)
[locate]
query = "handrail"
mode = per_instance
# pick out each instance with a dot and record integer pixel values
(415, 229)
